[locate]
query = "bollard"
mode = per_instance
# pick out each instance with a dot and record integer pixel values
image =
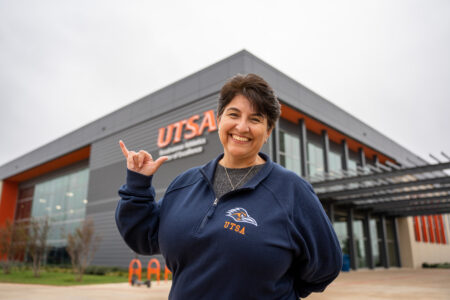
(156, 270)
(132, 271)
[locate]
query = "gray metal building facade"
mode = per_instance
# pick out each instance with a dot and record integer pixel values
(139, 123)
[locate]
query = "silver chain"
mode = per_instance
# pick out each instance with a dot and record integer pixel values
(237, 184)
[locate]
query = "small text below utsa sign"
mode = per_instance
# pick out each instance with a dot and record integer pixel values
(188, 131)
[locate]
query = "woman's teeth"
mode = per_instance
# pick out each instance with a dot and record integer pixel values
(240, 138)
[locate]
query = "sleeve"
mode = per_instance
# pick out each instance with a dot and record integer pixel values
(318, 258)
(137, 214)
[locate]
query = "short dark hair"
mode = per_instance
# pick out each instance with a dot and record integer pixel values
(257, 91)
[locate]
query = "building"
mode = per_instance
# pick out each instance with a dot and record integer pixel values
(387, 205)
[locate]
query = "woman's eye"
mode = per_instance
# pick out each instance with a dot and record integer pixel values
(232, 114)
(256, 120)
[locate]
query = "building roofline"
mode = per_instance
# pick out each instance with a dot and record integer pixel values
(198, 85)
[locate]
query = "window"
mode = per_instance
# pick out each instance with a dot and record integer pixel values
(63, 201)
(290, 152)
(335, 164)
(315, 160)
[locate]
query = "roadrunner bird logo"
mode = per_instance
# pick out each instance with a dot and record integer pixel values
(241, 215)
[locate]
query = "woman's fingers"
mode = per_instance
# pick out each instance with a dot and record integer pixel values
(124, 148)
(160, 161)
(142, 157)
(130, 160)
(141, 162)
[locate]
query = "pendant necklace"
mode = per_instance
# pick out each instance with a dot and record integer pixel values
(237, 184)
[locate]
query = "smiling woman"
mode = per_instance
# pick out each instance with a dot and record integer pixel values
(240, 226)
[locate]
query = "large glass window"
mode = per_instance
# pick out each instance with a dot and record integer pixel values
(315, 160)
(340, 227)
(335, 164)
(290, 152)
(63, 201)
(360, 240)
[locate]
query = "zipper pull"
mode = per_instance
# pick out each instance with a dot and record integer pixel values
(212, 209)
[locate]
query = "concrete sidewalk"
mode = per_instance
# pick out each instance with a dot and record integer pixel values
(398, 284)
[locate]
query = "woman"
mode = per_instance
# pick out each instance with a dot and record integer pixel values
(239, 227)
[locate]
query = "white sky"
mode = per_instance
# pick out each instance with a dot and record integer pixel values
(64, 64)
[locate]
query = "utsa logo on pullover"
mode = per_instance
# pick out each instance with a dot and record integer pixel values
(269, 239)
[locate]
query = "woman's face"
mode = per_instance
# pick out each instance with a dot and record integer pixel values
(242, 130)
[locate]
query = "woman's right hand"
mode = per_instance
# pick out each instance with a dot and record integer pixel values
(142, 161)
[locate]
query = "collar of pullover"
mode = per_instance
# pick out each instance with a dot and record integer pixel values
(209, 169)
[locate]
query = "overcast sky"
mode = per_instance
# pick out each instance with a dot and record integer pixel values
(64, 64)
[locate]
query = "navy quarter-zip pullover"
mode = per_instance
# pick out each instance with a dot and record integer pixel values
(269, 239)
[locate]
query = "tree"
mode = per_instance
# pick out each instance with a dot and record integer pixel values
(81, 246)
(37, 243)
(13, 242)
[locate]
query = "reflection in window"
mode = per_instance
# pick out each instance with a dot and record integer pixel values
(315, 160)
(290, 152)
(340, 227)
(63, 200)
(335, 164)
(352, 166)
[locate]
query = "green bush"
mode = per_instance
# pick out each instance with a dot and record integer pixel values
(436, 266)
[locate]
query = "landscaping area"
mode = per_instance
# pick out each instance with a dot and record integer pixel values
(65, 276)
(61, 276)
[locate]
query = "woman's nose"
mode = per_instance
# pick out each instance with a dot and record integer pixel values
(242, 125)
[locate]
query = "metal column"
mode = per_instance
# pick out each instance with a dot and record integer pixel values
(376, 161)
(362, 157)
(351, 239)
(303, 141)
(345, 155)
(396, 243)
(331, 212)
(384, 250)
(368, 235)
(326, 151)
(276, 143)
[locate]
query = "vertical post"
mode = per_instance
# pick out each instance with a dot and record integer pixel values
(331, 212)
(368, 234)
(376, 161)
(351, 239)
(344, 155)
(396, 243)
(276, 143)
(326, 151)
(362, 159)
(384, 249)
(303, 141)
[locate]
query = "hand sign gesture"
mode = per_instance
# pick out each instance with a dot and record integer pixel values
(141, 162)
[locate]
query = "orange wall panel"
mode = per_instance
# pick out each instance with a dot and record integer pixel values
(8, 201)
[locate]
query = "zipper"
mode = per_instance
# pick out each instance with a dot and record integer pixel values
(209, 214)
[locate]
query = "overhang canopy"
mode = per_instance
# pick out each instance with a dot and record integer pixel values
(393, 191)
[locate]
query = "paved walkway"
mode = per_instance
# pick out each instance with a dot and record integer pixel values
(398, 284)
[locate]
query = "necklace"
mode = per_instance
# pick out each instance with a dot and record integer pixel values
(237, 184)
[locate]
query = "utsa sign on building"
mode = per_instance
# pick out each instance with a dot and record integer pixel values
(172, 134)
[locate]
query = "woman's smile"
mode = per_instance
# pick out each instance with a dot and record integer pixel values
(239, 138)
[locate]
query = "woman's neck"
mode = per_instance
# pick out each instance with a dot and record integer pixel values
(233, 163)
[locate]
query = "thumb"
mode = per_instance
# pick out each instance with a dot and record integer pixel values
(160, 161)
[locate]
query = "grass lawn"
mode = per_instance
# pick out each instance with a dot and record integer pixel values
(57, 278)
